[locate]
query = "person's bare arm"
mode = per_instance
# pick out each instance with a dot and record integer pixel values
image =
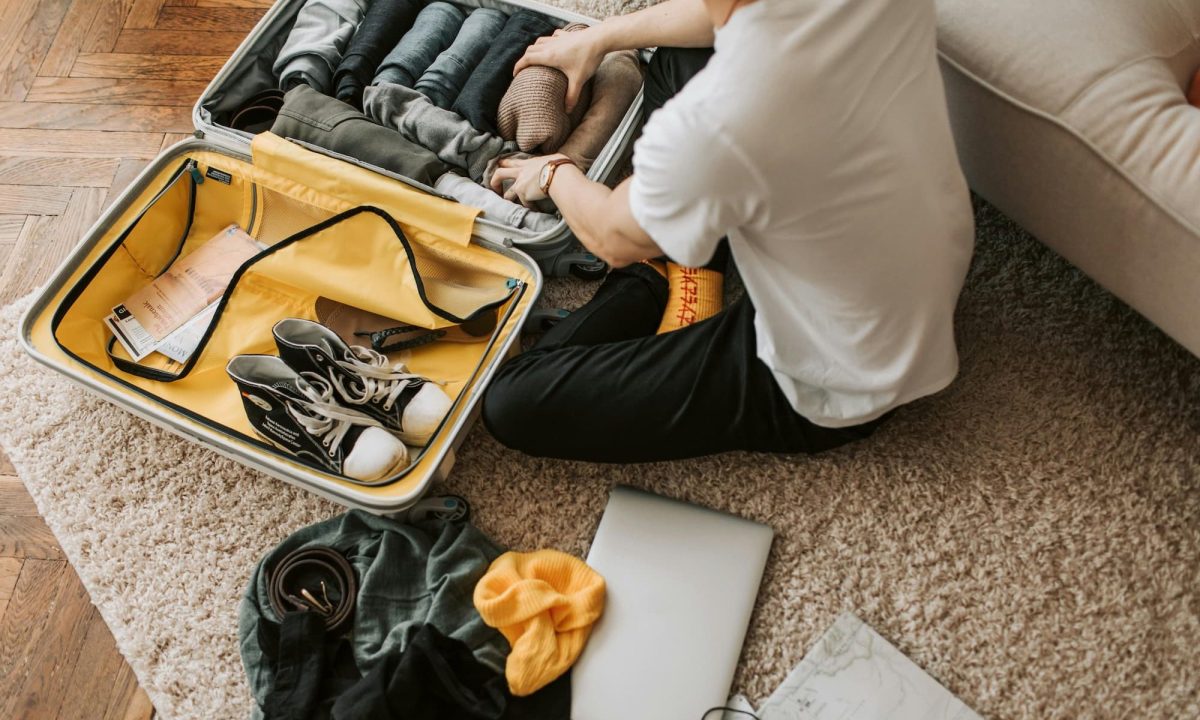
(674, 23)
(599, 216)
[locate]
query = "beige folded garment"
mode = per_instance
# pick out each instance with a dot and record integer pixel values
(533, 111)
(614, 86)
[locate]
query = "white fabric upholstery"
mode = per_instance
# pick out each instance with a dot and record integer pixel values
(1070, 116)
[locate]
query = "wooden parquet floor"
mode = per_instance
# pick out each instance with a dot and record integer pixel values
(90, 91)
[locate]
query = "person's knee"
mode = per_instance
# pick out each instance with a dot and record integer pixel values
(506, 410)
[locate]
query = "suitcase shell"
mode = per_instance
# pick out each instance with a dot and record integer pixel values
(555, 250)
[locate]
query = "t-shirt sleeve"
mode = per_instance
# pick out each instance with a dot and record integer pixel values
(690, 185)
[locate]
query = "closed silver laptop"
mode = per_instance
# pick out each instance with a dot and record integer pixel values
(682, 581)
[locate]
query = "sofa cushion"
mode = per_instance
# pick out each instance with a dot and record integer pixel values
(1097, 88)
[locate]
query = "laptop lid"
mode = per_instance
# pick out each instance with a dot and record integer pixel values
(682, 580)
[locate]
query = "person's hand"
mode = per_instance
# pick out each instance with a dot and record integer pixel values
(576, 53)
(526, 177)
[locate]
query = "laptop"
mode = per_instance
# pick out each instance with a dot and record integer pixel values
(682, 581)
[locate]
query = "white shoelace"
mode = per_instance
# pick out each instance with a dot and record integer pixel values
(379, 380)
(322, 417)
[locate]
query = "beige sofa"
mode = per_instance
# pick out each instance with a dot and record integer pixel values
(1070, 117)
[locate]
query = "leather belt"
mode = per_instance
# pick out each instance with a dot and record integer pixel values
(315, 579)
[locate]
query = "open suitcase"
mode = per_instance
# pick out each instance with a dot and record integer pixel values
(333, 229)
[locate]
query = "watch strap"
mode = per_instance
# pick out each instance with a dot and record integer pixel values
(553, 166)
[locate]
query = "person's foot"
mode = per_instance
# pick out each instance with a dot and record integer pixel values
(300, 415)
(694, 294)
(362, 378)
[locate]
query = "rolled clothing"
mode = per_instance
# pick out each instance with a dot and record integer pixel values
(329, 123)
(409, 576)
(480, 97)
(533, 111)
(494, 207)
(313, 49)
(450, 137)
(614, 86)
(381, 28)
(444, 79)
(433, 31)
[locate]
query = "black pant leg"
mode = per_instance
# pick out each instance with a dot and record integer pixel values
(628, 305)
(696, 391)
(669, 70)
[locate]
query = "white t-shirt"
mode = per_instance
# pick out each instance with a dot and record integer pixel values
(817, 139)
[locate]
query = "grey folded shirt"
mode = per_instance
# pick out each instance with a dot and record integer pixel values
(443, 132)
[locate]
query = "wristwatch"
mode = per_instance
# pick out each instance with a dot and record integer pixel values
(548, 171)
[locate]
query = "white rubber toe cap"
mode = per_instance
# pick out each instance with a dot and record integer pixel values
(424, 413)
(377, 454)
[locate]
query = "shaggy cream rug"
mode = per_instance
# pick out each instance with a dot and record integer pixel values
(1031, 536)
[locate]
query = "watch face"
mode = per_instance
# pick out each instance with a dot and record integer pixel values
(544, 177)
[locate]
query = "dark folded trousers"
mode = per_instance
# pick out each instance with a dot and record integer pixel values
(601, 386)
(314, 118)
(381, 28)
(480, 97)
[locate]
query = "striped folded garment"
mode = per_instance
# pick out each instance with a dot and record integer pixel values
(533, 111)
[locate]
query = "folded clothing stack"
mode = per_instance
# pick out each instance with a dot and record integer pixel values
(439, 75)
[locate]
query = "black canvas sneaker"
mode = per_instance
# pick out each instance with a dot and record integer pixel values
(364, 379)
(302, 416)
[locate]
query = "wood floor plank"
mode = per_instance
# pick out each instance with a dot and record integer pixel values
(127, 171)
(106, 27)
(52, 661)
(22, 536)
(32, 200)
(171, 138)
(57, 171)
(260, 4)
(90, 686)
(78, 143)
(118, 91)
(178, 42)
(143, 13)
(125, 690)
(37, 255)
(28, 47)
(14, 498)
(138, 706)
(88, 116)
(28, 614)
(186, 18)
(10, 570)
(69, 38)
(10, 230)
(200, 68)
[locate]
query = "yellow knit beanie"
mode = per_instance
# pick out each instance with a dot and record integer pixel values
(545, 603)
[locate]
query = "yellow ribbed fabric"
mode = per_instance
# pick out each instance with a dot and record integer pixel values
(695, 294)
(545, 603)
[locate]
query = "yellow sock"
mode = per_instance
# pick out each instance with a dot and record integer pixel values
(695, 294)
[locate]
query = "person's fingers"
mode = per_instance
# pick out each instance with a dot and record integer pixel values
(559, 32)
(523, 63)
(542, 39)
(574, 89)
(498, 178)
(511, 194)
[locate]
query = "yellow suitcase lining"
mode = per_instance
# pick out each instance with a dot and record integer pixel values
(375, 245)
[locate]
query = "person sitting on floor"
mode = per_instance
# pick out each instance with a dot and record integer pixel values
(814, 136)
